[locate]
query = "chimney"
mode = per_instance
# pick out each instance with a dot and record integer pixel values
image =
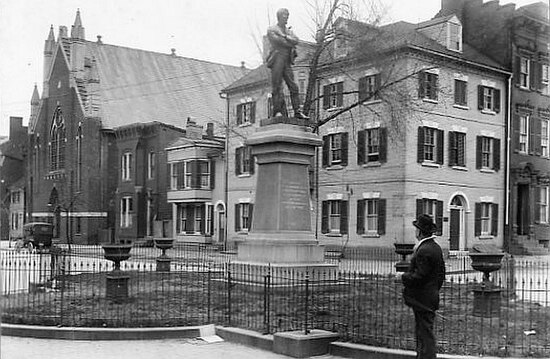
(210, 130)
(63, 32)
(99, 39)
(193, 130)
(242, 65)
(173, 52)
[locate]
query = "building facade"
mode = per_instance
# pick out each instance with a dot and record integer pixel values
(519, 39)
(104, 112)
(413, 121)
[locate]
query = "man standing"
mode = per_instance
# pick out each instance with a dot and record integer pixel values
(280, 59)
(422, 283)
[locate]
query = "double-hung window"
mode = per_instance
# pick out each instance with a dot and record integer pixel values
(243, 216)
(486, 219)
(523, 133)
(244, 164)
(433, 208)
(333, 95)
(246, 113)
(334, 217)
(371, 216)
(488, 153)
(126, 166)
(430, 145)
(461, 92)
(335, 149)
(151, 158)
(371, 145)
(126, 209)
(524, 72)
(488, 99)
(545, 137)
(457, 149)
(544, 199)
(428, 86)
(368, 88)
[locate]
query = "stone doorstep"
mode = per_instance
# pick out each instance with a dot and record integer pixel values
(297, 344)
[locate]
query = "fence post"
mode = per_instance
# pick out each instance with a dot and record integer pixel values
(306, 307)
(267, 285)
(209, 293)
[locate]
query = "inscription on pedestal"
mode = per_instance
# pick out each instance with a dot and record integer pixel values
(293, 196)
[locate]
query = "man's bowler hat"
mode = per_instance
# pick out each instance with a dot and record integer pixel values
(425, 224)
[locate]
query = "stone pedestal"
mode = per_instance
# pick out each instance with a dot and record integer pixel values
(281, 235)
(163, 264)
(117, 286)
(487, 298)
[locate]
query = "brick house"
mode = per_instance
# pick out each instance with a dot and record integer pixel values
(424, 134)
(519, 40)
(105, 112)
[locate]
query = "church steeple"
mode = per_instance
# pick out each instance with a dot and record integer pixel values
(49, 48)
(49, 44)
(35, 105)
(77, 30)
(35, 100)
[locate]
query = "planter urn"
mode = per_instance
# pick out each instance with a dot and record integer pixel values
(403, 249)
(163, 261)
(117, 280)
(487, 294)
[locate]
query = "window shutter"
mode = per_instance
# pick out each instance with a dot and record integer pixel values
(178, 219)
(477, 220)
(383, 144)
(324, 216)
(361, 145)
(421, 81)
(439, 217)
(540, 85)
(381, 216)
(452, 150)
(478, 151)
(169, 175)
(344, 217)
(533, 75)
(537, 205)
(202, 209)
(361, 216)
(326, 149)
(480, 97)
(517, 70)
(419, 207)
(537, 138)
(239, 114)
(252, 160)
(378, 85)
(458, 93)
(252, 112)
(250, 215)
(212, 174)
(237, 217)
(494, 219)
(211, 219)
(326, 96)
(420, 152)
(340, 92)
(363, 89)
(496, 154)
(532, 134)
(434, 79)
(440, 147)
(344, 149)
(238, 155)
(497, 100)
(515, 132)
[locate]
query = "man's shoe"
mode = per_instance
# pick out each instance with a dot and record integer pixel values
(300, 115)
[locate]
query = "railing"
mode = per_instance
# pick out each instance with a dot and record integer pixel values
(363, 305)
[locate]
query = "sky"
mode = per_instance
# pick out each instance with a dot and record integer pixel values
(223, 31)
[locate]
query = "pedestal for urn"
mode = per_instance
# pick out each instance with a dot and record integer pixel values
(487, 295)
(163, 261)
(117, 280)
(280, 236)
(403, 249)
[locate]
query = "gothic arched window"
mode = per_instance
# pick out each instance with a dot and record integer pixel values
(57, 141)
(79, 157)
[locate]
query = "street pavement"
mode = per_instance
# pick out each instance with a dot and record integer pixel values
(30, 348)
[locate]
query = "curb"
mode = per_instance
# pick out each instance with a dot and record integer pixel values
(77, 333)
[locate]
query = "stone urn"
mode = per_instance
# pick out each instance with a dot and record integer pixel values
(117, 280)
(163, 261)
(403, 249)
(487, 294)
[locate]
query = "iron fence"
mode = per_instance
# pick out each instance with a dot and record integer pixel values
(204, 286)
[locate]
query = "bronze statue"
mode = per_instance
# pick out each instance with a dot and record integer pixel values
(280, 60)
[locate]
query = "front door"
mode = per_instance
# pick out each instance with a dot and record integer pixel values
(523, 209)
(221, 227)
(455, 230)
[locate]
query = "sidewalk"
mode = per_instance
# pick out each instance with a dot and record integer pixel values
(30, 348)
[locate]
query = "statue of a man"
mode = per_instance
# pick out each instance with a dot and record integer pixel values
(280, 59)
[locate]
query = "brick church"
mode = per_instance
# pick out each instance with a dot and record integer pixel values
(96, 163)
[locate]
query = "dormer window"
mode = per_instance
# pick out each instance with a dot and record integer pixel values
(454, 38)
